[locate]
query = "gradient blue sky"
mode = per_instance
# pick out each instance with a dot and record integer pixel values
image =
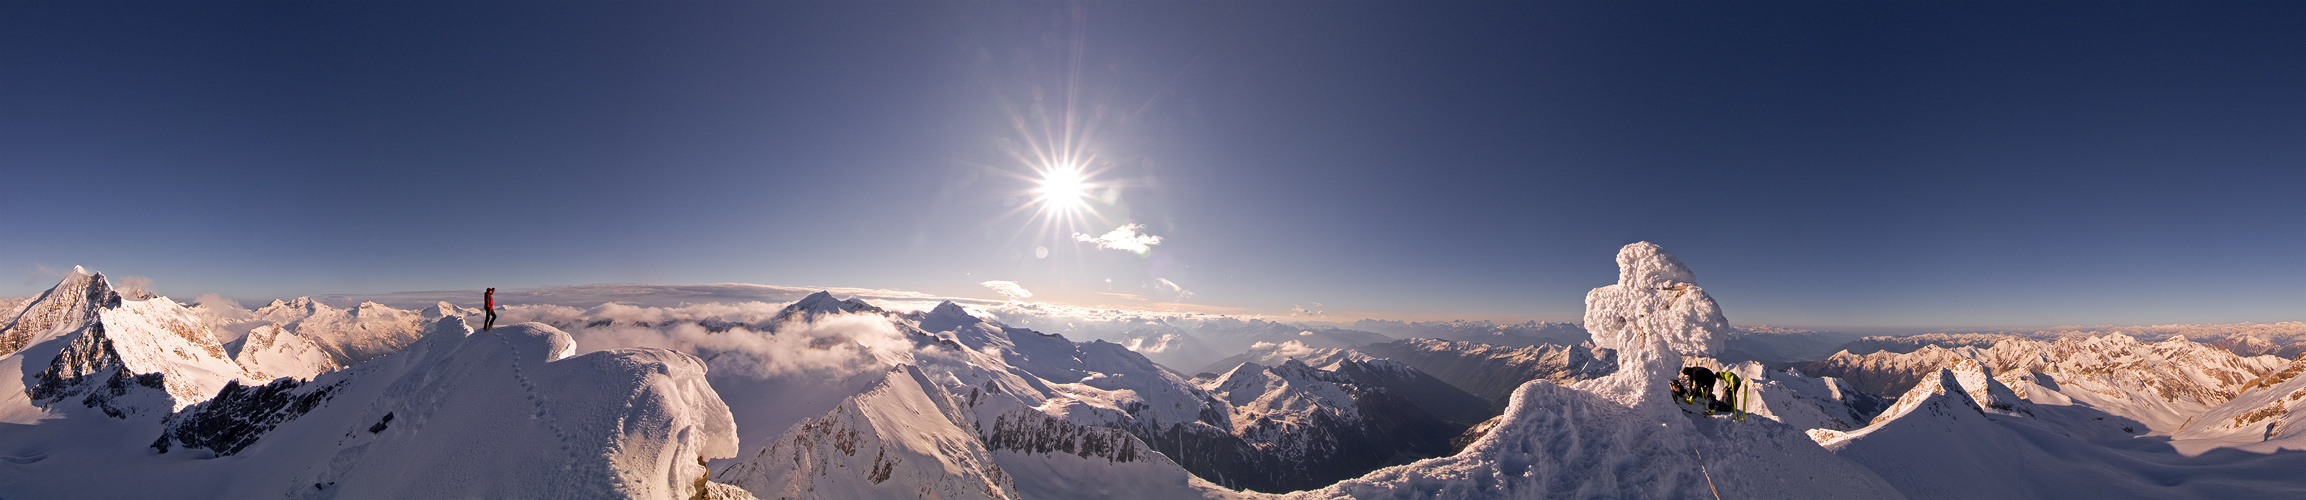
(1816, 163)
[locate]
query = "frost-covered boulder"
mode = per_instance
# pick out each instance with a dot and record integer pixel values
(1656, 301)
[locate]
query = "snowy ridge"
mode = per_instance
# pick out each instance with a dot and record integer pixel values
(2267, 408)
(522, 414)
(1271, 354)
(2159, 384)
(61, 309)
(1960, 433)
(349, 336)
(1361, 369)
(894, 440)
(270, 351)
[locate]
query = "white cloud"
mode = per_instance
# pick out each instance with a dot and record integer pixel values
(1128, 237)
(1172, 286)
(743, 339)
(1008, 288)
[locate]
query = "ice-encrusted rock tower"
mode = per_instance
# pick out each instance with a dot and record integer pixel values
(1653, 316)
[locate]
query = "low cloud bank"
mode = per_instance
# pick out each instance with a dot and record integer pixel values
(734, 339)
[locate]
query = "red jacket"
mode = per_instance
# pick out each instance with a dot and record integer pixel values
(490, 299)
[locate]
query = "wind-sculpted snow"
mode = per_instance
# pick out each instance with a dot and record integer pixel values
(1655, 301)
(1653, 316)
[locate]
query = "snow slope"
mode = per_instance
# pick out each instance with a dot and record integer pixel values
(1961, 433)
(2267, 409)
(896, 439)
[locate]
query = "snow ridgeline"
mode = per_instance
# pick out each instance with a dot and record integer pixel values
(504, 413)
(2160, 385)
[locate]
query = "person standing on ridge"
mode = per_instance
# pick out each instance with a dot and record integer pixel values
(488, 301)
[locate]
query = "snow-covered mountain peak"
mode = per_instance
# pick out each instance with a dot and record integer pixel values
(60, 310)
(823, 303)
(946, 317)
(125, 357)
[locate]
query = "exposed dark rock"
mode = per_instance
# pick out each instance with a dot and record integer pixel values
(239, 415)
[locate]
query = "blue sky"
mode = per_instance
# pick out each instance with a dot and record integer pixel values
(1828, 164)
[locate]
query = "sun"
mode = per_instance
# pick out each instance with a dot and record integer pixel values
(1062, 188)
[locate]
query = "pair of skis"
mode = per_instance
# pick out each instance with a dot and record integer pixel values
(1733, 385)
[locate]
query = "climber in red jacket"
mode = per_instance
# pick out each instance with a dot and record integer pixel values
(488, 300)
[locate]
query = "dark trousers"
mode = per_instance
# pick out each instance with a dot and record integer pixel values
(491, 321)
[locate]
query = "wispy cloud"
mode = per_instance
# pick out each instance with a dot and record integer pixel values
(1008, 288)
(1172, 287)
(1128, 237)
(1297, 310)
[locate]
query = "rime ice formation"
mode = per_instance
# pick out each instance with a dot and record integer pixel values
(1653, 316)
